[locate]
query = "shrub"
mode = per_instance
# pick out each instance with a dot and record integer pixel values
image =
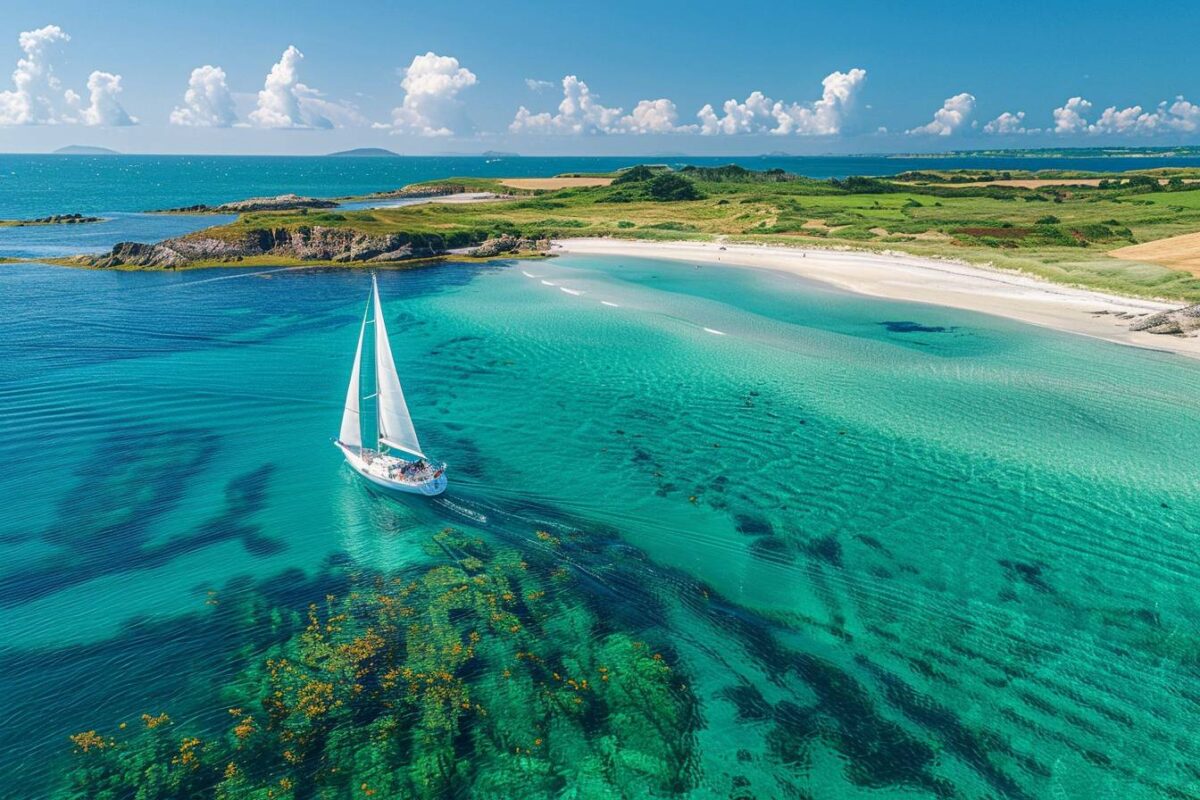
(670, 187)
(1049, 219)
(634, 175)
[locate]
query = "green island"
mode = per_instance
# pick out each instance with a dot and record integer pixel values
(1071, 227)
(486, 671)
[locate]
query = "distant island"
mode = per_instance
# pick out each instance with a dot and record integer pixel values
(498, 154)
(84, 150)
(365, 152)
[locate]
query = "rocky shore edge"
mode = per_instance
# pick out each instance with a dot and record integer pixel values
(307, 244)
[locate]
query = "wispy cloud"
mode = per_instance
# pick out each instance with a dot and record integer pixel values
(537, 85)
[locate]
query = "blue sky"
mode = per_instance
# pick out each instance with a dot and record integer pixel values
(451, 77)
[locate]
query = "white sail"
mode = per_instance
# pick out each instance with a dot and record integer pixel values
(395, 425)
(351, 433)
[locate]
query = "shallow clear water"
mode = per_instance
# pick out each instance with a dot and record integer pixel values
(889, 550)
(960, 549)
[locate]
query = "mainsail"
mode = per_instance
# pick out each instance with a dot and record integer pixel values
(351, 433)
(395, 425)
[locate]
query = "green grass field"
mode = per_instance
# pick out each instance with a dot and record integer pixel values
(1057, 233)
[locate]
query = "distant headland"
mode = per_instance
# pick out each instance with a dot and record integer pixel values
(84, 150)
(365, 152)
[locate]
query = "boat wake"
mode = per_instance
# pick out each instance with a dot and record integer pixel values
(610, 305)
(548, 283)
(575, 292)
(529, 274)
(715, 332)
(462, 511)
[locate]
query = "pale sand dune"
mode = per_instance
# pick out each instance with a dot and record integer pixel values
(1180, 252)
(945, 283)
(553, 183)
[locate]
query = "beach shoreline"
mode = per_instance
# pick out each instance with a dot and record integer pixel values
(898, 276)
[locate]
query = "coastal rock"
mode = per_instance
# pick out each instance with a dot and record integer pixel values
(1180, 322)
(283, 202)
(137, 254)
(54, 219)
(416, 192)
(508, 244)
(316, 243)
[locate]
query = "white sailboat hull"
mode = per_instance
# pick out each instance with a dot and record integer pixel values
(381, 471)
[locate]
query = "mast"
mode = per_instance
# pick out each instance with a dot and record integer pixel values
(394, 424)
(373, 302)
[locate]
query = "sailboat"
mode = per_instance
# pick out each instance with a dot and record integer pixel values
(396, 463)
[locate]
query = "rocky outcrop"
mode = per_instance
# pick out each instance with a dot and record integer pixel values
(55, 219)
(509, 244)
(339, 245)
(415, 192)
(283, 202)
(1180, 322)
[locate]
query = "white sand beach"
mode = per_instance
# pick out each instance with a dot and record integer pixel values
(946, 283)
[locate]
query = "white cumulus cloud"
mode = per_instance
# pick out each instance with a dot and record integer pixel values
(955, 112)
(1069, 117)
(578, 113)
(654, 116)
(761, 114)
(208, 103)
(38, 96)
(282, 101)
(103, 107)
(1178, 116)
(431, 106)
(1008, 124)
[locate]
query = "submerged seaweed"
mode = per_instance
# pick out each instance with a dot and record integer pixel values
(476, 676)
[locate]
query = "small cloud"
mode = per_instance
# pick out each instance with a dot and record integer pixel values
(103, 107)
(207, 103)
(285, 102)
(761, 114)
(38, 97)
(654, 116)
(431, 106)
(578, 113)
(1009, 124)
(954, 113)
(1069, 117)
(539, 86)
(581, 113)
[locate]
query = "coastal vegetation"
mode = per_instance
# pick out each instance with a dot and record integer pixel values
(1037, 223)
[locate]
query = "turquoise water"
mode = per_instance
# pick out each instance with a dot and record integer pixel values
(890, 550)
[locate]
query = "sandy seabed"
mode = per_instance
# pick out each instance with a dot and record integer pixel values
(946, 283)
